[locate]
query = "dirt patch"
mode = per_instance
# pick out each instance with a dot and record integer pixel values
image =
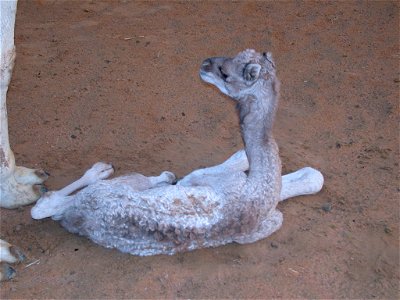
(118, 81)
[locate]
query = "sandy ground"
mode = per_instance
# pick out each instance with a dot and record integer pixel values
(118, 81)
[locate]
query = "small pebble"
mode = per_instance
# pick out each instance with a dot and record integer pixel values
(388, 230)
(327, 207)
(274, 245)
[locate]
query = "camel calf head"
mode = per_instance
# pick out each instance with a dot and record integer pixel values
(239, 75)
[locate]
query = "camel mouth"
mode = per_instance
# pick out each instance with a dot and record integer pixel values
(206, 76)
(209, 77)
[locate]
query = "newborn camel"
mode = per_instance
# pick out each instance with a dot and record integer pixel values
(232, 202)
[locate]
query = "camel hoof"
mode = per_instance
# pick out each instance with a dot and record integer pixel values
(17, 253)
(43, 175)
(169, 177)
(98, 172)
(14, 194)
(7, 272)
(10, 253)
(30, 176)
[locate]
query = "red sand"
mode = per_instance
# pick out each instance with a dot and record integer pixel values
(118, 81)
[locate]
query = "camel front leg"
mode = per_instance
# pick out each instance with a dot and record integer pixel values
(19, 185)
(305, 181)
(53, 204)
(236, 163)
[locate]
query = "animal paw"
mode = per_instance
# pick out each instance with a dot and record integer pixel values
(21, 186)
(311, 177)
(168, 177)
(14, 194)
(30, 176)
(6, 272)
(9, 254)
(98, 172)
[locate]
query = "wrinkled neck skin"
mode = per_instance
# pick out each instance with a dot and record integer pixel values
(257, 112)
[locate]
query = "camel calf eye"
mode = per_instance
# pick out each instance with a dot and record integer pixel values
(223, 74)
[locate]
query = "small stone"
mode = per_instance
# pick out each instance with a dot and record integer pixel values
(274, 245)
(73, 136)
(327, 207)
(18, 227)
(388, 230)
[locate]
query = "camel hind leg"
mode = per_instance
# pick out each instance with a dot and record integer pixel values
(305, 181)
(139, 182)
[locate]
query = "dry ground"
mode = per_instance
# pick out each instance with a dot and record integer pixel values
(118, 81)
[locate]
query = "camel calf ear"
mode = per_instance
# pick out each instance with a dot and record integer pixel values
(268, 57)
(251, 72)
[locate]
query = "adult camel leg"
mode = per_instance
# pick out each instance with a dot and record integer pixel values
(19, 185)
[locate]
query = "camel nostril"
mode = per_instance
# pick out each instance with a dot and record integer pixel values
(206, 65)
